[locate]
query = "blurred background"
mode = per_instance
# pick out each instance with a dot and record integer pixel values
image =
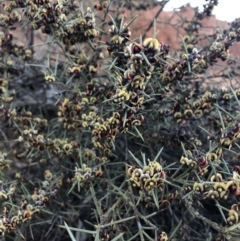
(226, 9)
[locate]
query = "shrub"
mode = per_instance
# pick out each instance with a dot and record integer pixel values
(107, 137)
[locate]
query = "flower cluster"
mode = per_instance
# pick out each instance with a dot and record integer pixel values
(147, 177)
(163, 237)
(24, 119)
(55, 19)
(73, 115)
(4, 161)
(85, 174)
(202, 162)
(233, 215)
(58, 147)
(8, 45)
(227, 137)
(28, 208)
(102, 4)
(220, 188)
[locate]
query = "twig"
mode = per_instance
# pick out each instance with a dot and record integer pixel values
(220, 229)
(140, 216)
(156, 16)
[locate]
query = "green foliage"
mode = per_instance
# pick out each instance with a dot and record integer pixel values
(112, 138)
